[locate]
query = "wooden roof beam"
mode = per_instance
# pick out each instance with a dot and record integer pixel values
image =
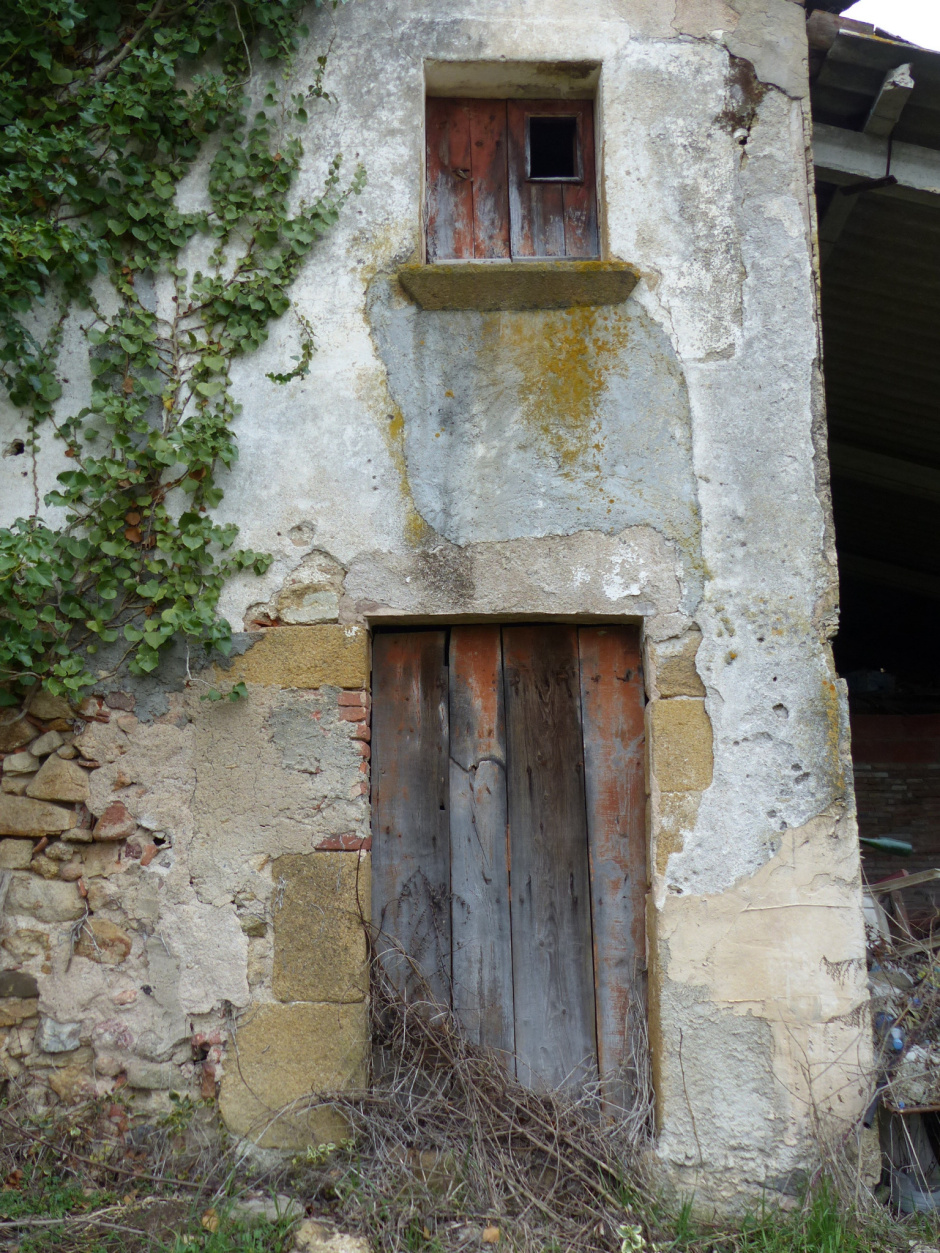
(879, 470)
(890, 101)
(842, 156)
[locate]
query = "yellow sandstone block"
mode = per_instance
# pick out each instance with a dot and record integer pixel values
(680, 745)
(674, 666)
(304, 657)
(282, 1056)
(319, 938)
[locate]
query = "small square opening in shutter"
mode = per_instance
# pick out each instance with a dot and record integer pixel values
(553, 149)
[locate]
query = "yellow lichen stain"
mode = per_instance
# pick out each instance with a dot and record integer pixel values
(449, 393)
(377, 395)
(416, 529)
(376, 246)
(373, 390)
(831, 710)
(564, 358)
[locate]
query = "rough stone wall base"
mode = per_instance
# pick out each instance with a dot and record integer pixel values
(184, 893)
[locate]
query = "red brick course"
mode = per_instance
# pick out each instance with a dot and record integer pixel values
(353, 713)
(347, 843)
(896, 760)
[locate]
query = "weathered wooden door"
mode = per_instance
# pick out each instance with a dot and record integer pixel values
(508, 843)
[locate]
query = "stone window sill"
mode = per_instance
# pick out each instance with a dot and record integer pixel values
(536, 284)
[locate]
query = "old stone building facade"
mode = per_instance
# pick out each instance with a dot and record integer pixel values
(186, 879)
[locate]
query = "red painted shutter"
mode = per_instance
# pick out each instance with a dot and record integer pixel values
(449, 192)
(468, 194)
(480, 201)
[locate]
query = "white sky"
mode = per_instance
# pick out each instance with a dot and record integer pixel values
(916, 20)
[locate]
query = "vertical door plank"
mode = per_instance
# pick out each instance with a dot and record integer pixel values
(449, 185)
(522, 240)
(546, 203)
(553, 976)
(612, 715)
(482, 949)
(580, 199)
(490, 178)
(410, 828)
(536, 210)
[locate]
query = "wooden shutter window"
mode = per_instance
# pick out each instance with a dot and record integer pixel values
(510, 179)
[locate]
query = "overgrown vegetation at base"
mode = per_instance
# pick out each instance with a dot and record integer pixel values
(105, 106)
(56, 1198)
(445, 1154)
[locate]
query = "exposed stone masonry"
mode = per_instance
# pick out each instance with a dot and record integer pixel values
(178, 894)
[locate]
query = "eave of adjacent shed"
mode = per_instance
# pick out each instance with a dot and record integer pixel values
(880, 300)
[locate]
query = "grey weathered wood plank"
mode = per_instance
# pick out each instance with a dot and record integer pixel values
(410, 825)
(482, 951)
(615, 788)
(553, 975)
(580, 199)
(536, 210)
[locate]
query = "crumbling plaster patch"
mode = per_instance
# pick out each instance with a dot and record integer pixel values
(771, 34)
(782, 958)
(273, 778)
(636, 574)
(163, 931)
(541, 422)
(704, 17)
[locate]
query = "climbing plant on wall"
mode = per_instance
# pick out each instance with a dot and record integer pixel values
(105, 106)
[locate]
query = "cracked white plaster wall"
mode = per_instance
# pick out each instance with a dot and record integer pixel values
(704, 17)
(763, 531)
(718, 226)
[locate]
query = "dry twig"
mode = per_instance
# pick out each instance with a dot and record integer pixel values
(448, 1142)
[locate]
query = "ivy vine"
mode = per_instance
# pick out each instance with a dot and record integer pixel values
(105, 105)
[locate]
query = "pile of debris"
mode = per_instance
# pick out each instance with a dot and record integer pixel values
(904, 978)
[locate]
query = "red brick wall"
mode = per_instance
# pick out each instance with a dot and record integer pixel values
(896, 759)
